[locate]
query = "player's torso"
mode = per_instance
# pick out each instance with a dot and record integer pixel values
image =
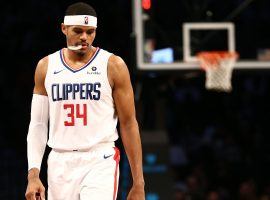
(81, 102)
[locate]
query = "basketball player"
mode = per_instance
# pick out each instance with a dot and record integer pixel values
(82, 90)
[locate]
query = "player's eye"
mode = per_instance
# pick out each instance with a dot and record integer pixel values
(77, 31)
(89, 32)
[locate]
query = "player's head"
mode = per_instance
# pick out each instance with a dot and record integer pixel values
(79, 26)
(80, 8)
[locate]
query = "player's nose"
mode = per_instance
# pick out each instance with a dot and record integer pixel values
(83, 36)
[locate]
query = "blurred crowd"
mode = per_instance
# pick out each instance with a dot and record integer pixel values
(219, 142)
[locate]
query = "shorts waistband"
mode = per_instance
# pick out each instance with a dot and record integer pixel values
(95, 147)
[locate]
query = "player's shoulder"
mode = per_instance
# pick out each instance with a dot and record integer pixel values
(43, 62)
(42, 66)
(116, 63)
(117, 69)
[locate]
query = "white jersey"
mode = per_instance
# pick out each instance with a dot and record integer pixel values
(82, 111)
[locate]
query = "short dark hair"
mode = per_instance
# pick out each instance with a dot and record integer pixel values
(80, 8)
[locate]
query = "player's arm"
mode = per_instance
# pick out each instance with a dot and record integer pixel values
(124, 102)
(37, 133)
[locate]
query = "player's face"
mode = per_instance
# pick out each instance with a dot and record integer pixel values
(80, 35)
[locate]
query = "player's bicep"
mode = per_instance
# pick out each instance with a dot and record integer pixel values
(40, 75)
(123, 92)
(124, 102)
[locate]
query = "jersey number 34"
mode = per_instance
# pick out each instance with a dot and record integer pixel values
(74, 112)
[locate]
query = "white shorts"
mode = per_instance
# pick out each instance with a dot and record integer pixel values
(84, 175)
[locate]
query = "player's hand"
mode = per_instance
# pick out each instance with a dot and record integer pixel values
(35, 190)
(136, 193)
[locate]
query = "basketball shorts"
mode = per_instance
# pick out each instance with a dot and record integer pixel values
(84, 175)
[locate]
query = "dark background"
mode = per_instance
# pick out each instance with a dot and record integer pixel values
(217, 144)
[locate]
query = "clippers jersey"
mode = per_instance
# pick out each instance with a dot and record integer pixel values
(82, 111)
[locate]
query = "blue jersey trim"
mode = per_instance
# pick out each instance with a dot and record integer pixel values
(74, 71)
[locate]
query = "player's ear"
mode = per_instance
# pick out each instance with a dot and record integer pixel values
(64, 28)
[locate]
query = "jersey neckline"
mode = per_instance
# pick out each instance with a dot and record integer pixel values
(81, 68)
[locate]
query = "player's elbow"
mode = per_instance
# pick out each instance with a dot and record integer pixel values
(129, 123)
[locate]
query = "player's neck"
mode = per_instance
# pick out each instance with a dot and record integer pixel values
(75, 56)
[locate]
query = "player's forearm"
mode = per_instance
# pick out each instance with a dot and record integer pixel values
(36, 144)
(38, 128)
(132, 144)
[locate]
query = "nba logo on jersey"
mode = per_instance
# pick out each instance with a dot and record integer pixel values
(85, 20)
